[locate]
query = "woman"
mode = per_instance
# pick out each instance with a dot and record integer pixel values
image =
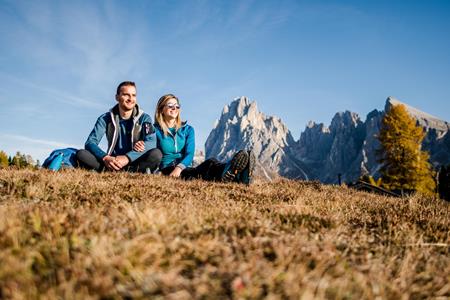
(176, 141)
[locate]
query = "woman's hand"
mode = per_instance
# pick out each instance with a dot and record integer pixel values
(139, 146)
(176, 172)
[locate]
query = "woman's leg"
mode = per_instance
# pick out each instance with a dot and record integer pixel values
(167, 171)
(189, 174)
(213, 170)
(210, 170)
(202, 171)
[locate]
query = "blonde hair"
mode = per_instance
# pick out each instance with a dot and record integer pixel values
(159, 117)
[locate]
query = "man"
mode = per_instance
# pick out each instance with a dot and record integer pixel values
(124, 125)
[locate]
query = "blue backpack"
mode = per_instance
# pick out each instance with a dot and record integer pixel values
(65, 158)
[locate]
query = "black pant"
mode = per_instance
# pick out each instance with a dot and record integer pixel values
(211, 170)
(149, 159)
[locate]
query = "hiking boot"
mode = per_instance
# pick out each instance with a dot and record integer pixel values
(235, 166)
(246, 175)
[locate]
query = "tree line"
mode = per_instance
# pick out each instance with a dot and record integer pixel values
(18, 161)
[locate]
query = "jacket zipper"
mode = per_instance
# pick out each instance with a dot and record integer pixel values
(174, 140)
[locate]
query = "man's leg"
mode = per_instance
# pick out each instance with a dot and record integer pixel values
(87, 160)
(149, 160)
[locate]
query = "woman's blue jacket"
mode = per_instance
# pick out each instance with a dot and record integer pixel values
(177, 147)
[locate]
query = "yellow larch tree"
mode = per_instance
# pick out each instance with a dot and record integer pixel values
(404, 165)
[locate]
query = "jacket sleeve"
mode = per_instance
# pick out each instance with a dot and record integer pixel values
(189, 149)
(95, 137)
(149, 138)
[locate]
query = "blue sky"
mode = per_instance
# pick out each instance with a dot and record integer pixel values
(60, 61)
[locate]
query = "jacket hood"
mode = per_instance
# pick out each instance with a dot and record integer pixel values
(137, 111)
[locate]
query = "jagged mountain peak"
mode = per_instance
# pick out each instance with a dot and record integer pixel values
(311, 124)
(373, 113)
(392, 101)
(424, 119)
(319, 127)
(242, 126)
(345, 119)
(239, 107)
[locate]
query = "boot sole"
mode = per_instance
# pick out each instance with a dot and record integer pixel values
(251, 165)
(238, 163)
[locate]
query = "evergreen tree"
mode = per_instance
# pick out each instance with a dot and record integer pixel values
(15, 161)
(19, 161)
(404, 165)
(3, 160)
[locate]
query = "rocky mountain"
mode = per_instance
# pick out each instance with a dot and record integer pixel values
(242, 126)
(332, 151)
(346, 148)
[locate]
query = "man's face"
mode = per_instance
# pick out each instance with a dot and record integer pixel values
(127, 97)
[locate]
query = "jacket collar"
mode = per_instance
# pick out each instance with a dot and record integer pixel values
(183, 124)
(137, 112)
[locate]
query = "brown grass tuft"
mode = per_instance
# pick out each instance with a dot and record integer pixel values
(83, 235)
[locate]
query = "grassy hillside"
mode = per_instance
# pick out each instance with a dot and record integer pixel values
(82, 235)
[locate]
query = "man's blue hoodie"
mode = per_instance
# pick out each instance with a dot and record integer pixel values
(121, 134)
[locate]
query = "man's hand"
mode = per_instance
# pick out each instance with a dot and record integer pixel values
(122, 160)
(139, 146)
(111, 163)
(176, 172)
(115, 163)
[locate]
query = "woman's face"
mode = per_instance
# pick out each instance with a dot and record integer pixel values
(171, 109)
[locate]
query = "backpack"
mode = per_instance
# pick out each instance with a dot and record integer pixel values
(65, 158)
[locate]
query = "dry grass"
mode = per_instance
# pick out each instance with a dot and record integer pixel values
(82, 235)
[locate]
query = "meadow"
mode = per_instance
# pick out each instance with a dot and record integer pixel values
(82, 235)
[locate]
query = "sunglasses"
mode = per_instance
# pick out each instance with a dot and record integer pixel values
(173, 106)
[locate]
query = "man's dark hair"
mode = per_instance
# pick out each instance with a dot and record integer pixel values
(125, 83)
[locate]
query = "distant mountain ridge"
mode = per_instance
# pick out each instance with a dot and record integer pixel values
(347, 147)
